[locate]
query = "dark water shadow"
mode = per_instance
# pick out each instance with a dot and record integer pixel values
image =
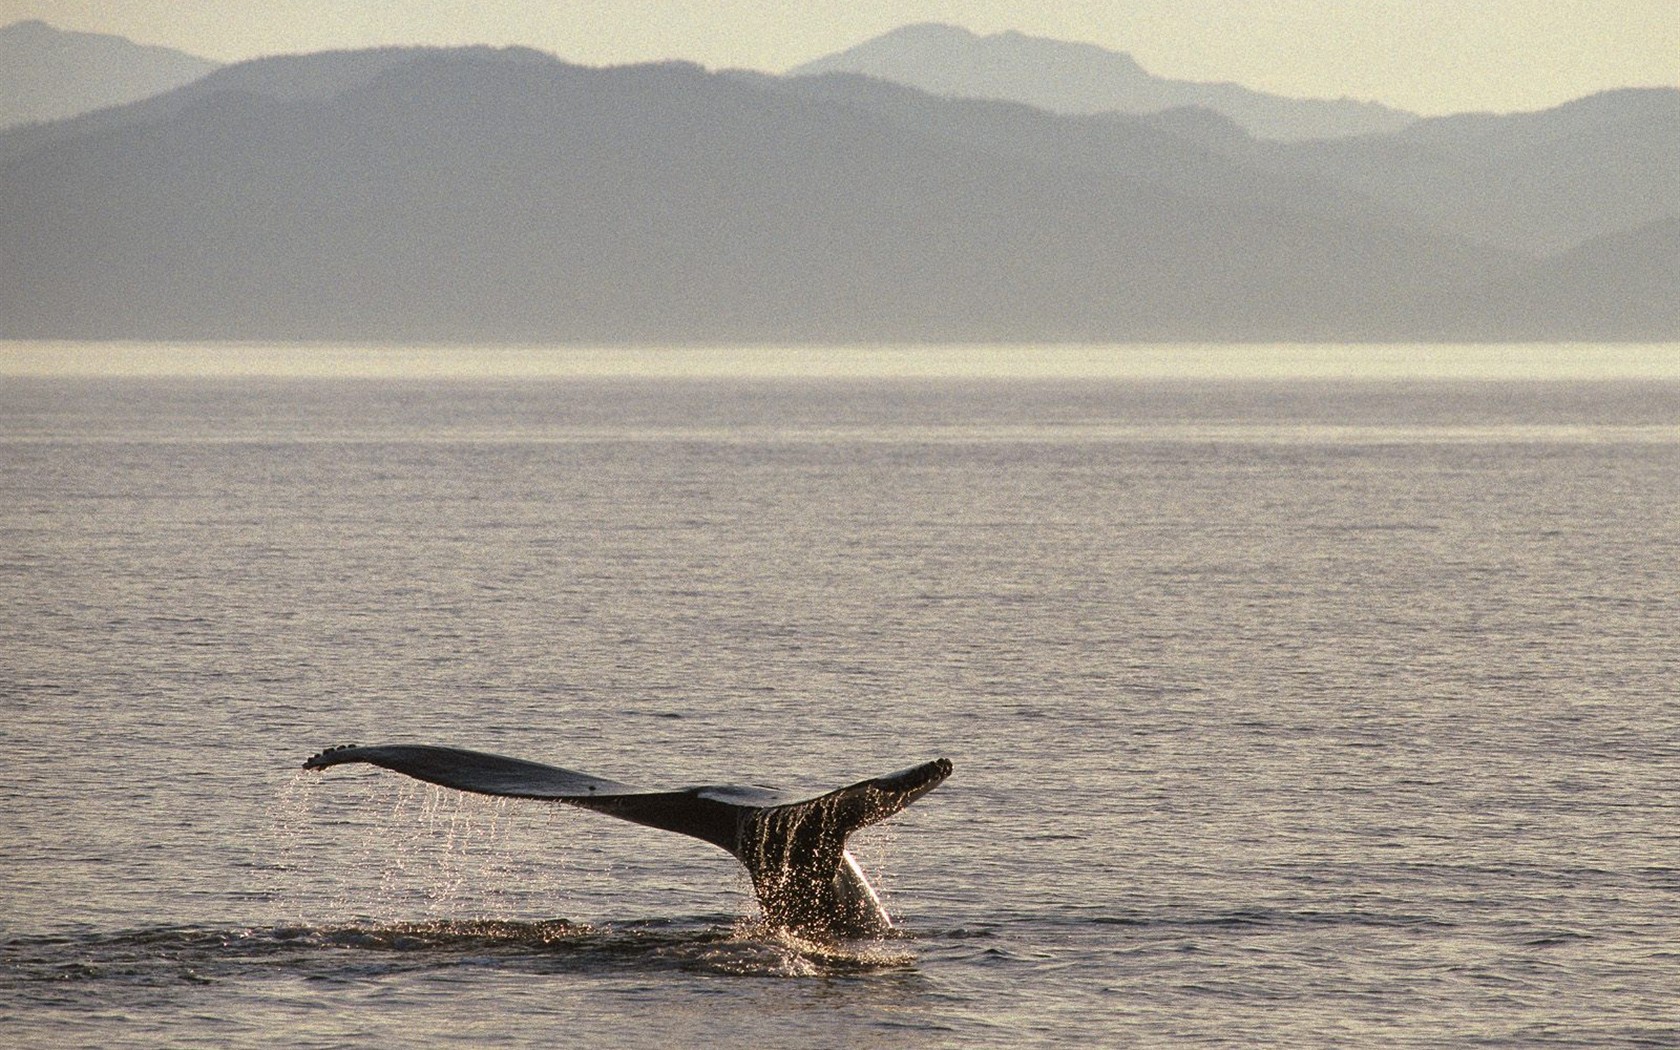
(355, 952)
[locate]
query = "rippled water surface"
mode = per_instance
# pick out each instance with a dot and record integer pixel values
(1294, 712)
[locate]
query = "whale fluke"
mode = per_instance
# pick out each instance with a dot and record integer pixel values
(794, 848)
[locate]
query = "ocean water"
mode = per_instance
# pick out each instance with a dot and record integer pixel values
(1312, 706)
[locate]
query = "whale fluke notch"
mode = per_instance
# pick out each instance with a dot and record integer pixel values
(794, 848)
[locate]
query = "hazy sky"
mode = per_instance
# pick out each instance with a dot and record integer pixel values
(1432, 56)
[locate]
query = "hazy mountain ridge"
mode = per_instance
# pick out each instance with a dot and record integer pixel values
(1629, 282)
(49, 74)
(1080, 78)
(319, 76)
(1534, 182)
(479, 195)
(1543, 181)
(1155, 149)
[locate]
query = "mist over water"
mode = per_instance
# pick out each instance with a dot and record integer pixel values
(1301, 710)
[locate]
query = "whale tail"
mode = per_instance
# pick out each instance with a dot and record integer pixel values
(794, 848)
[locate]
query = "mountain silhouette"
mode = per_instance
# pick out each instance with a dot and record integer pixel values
(1067, 77)
(1542, 182)
(504, 195)
(48, 73)
(1619, 286)
(280, 78)
(1535, 182)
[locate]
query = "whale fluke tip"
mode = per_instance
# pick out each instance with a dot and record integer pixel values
(322, 759)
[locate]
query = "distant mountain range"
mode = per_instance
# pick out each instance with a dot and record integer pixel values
(1066, 77)
(48, 73)
(504, 195)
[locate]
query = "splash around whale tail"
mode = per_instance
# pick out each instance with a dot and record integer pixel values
(794, 848)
